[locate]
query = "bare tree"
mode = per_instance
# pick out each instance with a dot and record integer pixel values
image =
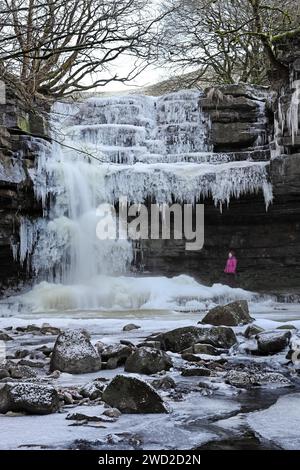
(224, 41)
(56, 47)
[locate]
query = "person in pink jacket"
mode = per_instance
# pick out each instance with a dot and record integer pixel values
(230, 268)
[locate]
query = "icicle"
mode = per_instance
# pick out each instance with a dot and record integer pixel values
(292, 115)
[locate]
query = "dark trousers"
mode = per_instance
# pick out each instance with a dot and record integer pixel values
(231, 280)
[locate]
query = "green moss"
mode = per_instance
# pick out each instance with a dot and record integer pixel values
(23, 123)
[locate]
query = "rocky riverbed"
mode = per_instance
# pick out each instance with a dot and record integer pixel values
(151, 380)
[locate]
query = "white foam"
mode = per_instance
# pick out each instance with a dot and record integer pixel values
(123, 293)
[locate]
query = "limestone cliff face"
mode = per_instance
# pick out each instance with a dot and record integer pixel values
(18, 152)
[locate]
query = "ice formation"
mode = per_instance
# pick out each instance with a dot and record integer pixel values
(287, 119)
(134, 146)
(292, 116)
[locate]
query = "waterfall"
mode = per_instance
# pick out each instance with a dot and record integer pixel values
(105, 148)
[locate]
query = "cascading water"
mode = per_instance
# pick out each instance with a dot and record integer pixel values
(133, 146)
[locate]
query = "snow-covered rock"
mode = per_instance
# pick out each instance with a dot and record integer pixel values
(272, 342)
(252, 330)
(247, 379)
(182, 338)
(148, 361)
(117, 352)
(74, 353)
(28, 397)
(92, 390)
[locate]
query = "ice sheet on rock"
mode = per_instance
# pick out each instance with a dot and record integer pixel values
(280, 423)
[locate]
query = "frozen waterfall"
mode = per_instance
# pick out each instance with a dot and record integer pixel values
(139, 147)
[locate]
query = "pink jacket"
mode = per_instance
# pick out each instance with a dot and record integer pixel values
(231, 265)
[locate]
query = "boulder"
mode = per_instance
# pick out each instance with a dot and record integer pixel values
(116, 354)
(164, 383)
(239, 379)
(189, 357)
(196, 371)
(74, 353)
(130, 327)
(32, 363)
(21, 353)
(149, 344)
(112, 413)
(247, 379)
(28, 397)
(233, 314)
(4, 336)
(272, 342)
(252, 330)
(182, 338)
(50, 330)
(22, 372)
(286, 327)
(148, 361)
(92, 390)
(132, 395)
(207, 349)
(4, 374)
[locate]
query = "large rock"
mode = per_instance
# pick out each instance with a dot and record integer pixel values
(117, 352)
(182, 338)
(28, 397)
(4, 336)
(92, 390)
(233, 314)
(148, 361)
(196, 371)
(131, 395)
(130, 327)
(247, 379)
(74, 353)
(207, 349)
(272, 342)
(252, 330)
